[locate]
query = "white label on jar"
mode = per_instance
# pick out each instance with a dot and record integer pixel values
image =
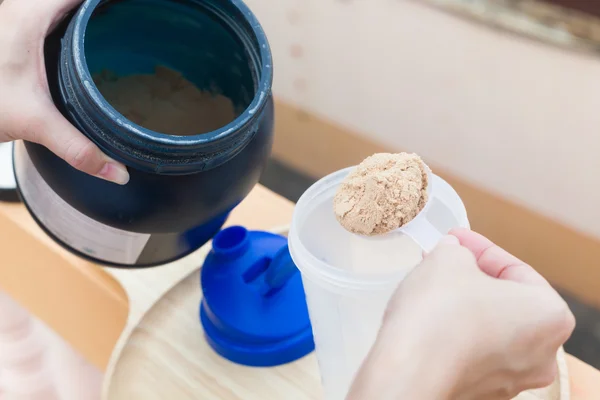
(7, 176)
(71, 226)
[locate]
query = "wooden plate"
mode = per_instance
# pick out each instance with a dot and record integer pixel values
(162, 353)
(166, 357)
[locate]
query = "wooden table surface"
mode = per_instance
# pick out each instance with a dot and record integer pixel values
(97, 309)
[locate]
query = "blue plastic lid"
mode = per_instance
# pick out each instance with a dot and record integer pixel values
(254, 310)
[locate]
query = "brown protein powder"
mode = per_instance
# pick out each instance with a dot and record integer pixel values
(382, 193)
(166, 102)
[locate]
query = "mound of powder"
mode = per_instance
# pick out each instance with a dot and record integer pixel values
(165, 102)
(383, 193)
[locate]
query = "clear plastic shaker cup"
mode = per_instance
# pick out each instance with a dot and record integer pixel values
(348, 279)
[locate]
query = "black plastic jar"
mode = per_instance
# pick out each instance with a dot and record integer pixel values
(181, 188)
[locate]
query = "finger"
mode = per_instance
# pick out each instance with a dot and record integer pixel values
(448, 240)
(64, 140)
(449, 256)
(495, 261)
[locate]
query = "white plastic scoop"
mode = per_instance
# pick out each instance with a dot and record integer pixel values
(420, 229)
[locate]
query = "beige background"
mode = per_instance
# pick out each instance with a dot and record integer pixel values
(511, 115)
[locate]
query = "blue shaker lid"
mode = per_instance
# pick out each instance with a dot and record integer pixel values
(254, 310)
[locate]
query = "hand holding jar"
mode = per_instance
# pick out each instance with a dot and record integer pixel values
(26, 108)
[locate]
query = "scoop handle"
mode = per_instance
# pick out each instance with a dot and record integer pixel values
(423, 233)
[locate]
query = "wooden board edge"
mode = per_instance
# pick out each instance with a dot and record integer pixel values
(82, 304)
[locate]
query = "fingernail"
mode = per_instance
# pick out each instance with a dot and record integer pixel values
(449, 240)
(114, 172)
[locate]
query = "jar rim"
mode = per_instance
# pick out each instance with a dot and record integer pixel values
(216, 140)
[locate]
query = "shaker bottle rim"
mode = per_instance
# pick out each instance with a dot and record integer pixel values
(319, 270)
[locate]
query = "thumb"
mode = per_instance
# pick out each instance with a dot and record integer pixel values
(64, 140)
(447, 240)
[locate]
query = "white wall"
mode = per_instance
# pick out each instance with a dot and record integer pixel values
(515, 116)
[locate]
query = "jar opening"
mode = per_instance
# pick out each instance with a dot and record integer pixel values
(215, 47)
(171, 67)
